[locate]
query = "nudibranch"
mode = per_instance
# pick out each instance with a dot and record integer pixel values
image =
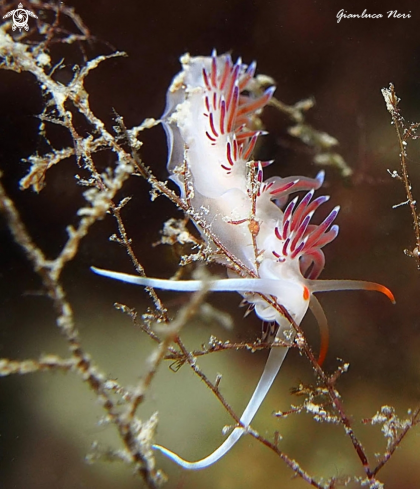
(210, 124)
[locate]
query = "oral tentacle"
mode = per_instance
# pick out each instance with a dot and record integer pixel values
(276, 287)
(330, 285)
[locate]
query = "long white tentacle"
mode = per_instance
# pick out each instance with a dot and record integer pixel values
(264, 286)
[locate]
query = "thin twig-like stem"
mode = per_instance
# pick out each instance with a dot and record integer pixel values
(126, 242)
(171, 332)
(292, 464)
(415, 419)
(223, 346)
(403, 134)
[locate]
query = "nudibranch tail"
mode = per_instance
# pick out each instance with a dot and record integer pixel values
(271, 369)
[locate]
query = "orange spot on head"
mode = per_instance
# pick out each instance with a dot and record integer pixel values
(306, 293)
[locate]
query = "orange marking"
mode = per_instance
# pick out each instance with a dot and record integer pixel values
(306, 293)
(254, 227)
(387, 292)
(380, 288)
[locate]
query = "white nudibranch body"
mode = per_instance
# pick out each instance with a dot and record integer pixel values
(210, 119)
